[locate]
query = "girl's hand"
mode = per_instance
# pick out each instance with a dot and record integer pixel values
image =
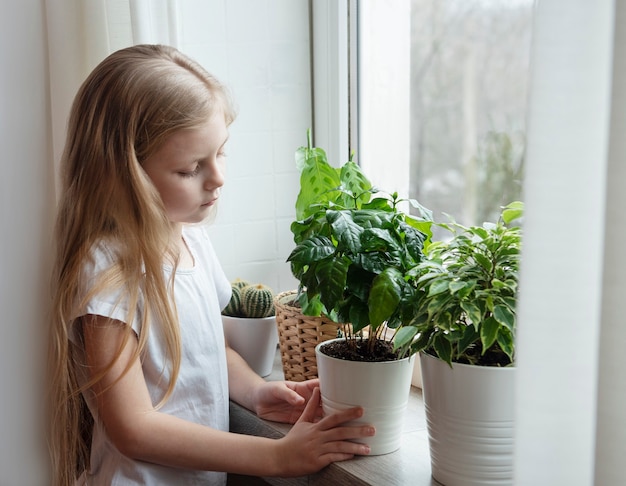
(284, 401)
(313, 444)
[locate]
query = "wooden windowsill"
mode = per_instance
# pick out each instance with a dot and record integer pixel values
(408, 465)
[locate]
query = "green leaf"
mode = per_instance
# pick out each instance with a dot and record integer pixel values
(505, 340)
(480, 232)
(488, 333)
(378, 239)
(424, 213)
(443, 348)
(470, 335)
(512, 211)
(379, 204)
(457, 285)
(384, 296)
(317, 181)
(404, 337)
(467, 289)
(483, 261)
(345, 231)
(358, 314)
(331, 280)
(437, 303)
(373, 262)
(473, 312)
(311, 250)
(438, 286)
(504, 316)
(311, 307)
(414, 240)
(353, 179)
(307, 156)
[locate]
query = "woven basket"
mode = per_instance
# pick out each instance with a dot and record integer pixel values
(297, 337)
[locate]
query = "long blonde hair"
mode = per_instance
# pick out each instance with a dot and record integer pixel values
(123, 112)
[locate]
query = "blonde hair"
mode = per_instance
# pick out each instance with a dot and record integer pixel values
(124, 111)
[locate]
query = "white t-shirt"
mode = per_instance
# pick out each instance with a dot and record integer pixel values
(201, 391)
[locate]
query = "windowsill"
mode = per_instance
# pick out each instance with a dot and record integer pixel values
(408, 465)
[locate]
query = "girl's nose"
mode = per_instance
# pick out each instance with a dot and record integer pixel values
(215, 175)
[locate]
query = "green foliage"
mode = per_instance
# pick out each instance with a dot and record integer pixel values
(356, 251)
(466, 294)
(250, 300)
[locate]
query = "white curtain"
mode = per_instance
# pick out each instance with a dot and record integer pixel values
(26, 193)
(46, 50)
(81, 33)
(570, 396)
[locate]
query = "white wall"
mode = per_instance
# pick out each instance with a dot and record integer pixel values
(261, 50)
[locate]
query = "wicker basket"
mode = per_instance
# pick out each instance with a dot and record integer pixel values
(297, 337)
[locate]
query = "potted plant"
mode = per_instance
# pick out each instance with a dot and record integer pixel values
(355, 256)
(464, 328)
(250, 325)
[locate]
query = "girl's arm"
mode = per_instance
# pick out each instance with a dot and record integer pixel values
(143, 433)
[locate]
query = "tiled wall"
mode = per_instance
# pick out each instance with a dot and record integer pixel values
(261, 50)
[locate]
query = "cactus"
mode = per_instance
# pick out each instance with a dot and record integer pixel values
(234, 305)
(250, 300)
(257, 301)
(239, 283)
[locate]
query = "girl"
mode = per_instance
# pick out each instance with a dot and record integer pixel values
(140, 374)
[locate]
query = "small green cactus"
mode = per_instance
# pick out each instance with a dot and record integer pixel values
(250, 300)
(234, 305)
(239, 283)
(257, 301)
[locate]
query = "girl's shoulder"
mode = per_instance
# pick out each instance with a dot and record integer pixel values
(103, 254)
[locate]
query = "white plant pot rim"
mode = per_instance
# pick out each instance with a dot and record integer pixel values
(321, 345)
(509, 369)
(249, 318)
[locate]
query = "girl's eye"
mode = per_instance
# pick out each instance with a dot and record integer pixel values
(192, 173)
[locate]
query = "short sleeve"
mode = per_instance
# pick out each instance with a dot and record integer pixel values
(112, 303)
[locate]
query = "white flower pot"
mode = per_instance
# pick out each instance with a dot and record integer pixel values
(381, 388)
(255, 339)
(470, 417)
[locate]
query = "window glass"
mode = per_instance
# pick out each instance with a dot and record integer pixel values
(467, 97)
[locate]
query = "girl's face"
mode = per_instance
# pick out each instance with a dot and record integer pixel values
(187, 170)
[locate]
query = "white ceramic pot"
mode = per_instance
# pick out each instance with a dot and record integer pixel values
(381, 388)
(255, 339)
(470, 417)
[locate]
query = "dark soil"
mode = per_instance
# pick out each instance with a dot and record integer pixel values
(359, 350)
(494, 357)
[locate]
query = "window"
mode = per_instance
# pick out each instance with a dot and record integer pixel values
(442, 90)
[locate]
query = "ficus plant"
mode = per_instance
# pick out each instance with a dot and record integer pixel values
(466, 294)
(356, 250)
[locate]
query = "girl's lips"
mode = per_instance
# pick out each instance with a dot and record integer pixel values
(210, 203)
